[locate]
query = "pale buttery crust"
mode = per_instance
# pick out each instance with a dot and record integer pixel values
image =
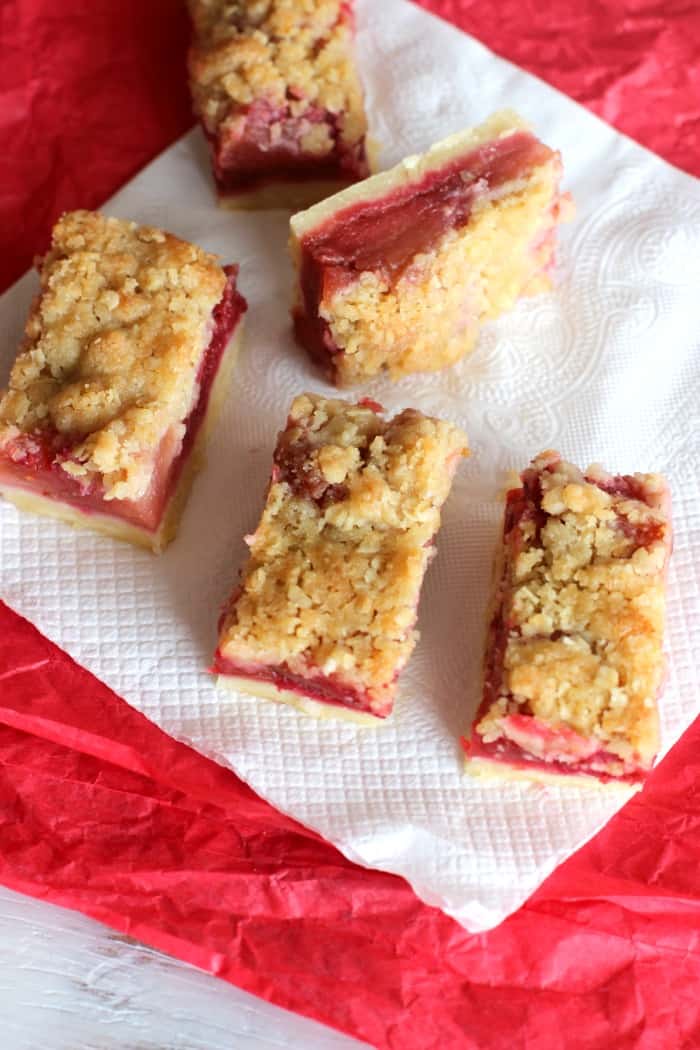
(411, 169)
(492, 772)
(336, 564)
(584, 600)
(430, 317)
(128, 532)
(295, 55)
(305, 704)
(112, 346)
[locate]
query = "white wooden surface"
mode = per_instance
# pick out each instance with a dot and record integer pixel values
(68, 983)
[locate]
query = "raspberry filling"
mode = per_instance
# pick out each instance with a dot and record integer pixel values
(517, 757)
(526, 741)
(384, 235)
(264, 144)
(33, 461)
(324, 688)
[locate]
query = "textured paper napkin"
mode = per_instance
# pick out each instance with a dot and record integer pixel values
(605, 369)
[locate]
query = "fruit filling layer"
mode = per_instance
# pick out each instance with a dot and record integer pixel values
(385, 234)
(277, 92)
(574, 662)
(403, 280)
(36, 460)
(323, 688)
(328, 600)
(530, 745)
(267, 144)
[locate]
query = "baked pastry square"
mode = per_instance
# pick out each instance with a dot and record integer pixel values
(398, 272)
(126, 356)
(275, 86)
(574, 660)
(324, 617)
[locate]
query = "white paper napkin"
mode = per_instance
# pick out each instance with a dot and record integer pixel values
(606, 369)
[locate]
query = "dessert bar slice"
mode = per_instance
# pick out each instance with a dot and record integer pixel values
(325, 613)
(127, 351)
(574, 661)
(275, 87)
(399, 271)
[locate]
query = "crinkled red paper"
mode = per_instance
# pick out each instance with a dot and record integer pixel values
(102, 812)
(167, 846)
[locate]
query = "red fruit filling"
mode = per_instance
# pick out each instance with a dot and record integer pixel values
(513, 755)
(383, 235)
(33, 461)
(528, 742)
(325, 688)
(262, 145)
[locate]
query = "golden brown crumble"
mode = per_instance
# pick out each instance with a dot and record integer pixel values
(290, 53)
(337, 560)
(583, 597)
(427, 314)
(431, 316)
(112, 346)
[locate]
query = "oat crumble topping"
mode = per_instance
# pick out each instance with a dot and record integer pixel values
(338, 558)
(583, 600)
(112, 346)
(445, 256)
(431, 316)
(294, 54)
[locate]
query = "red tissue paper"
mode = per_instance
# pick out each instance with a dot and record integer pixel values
(100, 811)
(635, 63)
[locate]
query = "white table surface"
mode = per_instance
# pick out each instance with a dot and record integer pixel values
(69, 983)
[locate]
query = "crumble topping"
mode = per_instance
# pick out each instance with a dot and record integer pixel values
(583, 597)
(112, 347)
(293, 54)
(430, 317)
(337, 561)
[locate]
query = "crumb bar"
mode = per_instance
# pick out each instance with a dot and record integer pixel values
(574, 660)
(125, 356)
(275, 86)
(324, 617)
(398, 272)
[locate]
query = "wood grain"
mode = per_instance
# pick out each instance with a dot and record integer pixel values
(69, 983)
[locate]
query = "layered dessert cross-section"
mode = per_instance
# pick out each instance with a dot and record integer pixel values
(398, 272)
(324, 617)
(574, 661)
(126, 356)
(275, 86)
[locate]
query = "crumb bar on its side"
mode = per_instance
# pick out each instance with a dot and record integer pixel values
(275, 86)
(574, 660)
(397, 273)
(114, 379)
(326, 609)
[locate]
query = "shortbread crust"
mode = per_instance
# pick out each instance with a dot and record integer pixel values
(304, 704)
